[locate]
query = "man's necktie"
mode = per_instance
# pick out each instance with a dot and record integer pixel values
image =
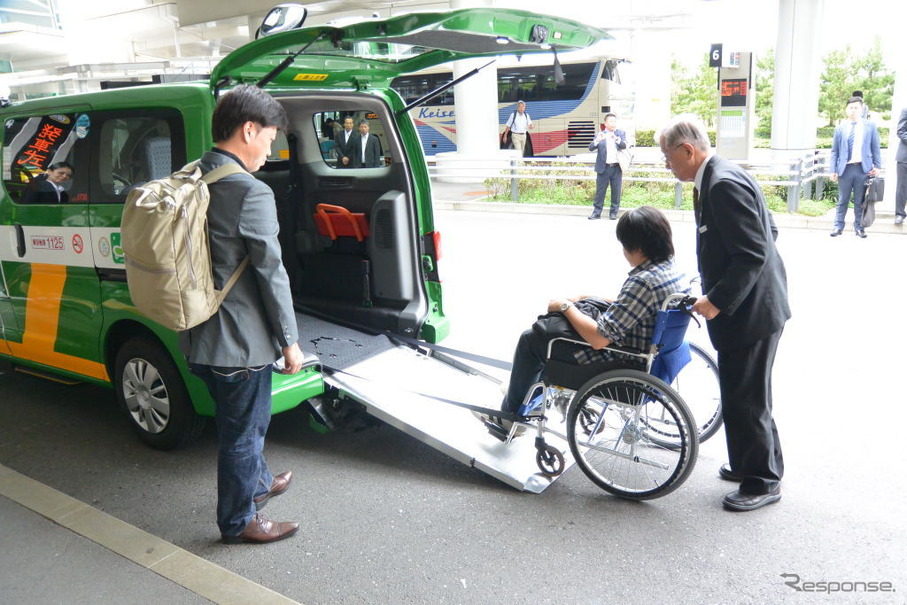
(850, 137)
(696, 207)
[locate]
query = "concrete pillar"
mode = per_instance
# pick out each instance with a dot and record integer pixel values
(798, 64)
(476, 107)
(898, 64)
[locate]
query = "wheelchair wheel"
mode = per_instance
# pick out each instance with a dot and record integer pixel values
(698, 384)
(621, 451)
(550, 461)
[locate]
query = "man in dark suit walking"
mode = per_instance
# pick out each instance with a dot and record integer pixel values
(364, 148)
(900, 195)
(745, 302)
(233, 351)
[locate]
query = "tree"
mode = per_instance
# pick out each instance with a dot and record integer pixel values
(765, 90)
(695, 91)
(847, 71)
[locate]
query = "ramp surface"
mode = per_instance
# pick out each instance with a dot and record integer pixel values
(397, 384)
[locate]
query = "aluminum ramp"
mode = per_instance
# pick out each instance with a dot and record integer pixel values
(395, 384)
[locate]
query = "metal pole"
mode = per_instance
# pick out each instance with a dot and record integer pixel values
(793, 191)
(514, 182)
(678, 195)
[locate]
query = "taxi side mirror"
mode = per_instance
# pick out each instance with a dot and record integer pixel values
(282, 18)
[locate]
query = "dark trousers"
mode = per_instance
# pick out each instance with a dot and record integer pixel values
(900, 195)
(242, 398)
(529, 364)
(612, 176)
(851, 182)
(754, 450)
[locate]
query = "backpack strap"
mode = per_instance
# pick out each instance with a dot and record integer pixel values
(213, 176)
(220, 172)
(230, 282)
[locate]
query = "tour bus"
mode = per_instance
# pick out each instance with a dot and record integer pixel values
(566, 115)
(359, 244)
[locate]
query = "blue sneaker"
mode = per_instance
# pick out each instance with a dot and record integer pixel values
(534, 403)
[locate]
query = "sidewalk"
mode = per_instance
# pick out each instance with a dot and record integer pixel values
(471, 197)
(69, 552)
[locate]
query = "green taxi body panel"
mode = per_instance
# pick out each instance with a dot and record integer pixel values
(96, 313)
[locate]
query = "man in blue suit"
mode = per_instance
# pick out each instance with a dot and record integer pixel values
(855, 155)
(608, 169)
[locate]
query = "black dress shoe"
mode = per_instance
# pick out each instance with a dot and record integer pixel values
(861, 234)
(836, 232)
(613, 216)
(738, 501)
(594, 217)
(725, 472)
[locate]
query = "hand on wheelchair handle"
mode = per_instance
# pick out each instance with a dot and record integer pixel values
(703, 306)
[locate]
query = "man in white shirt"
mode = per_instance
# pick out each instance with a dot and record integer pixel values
(518, 124)
(855, 156)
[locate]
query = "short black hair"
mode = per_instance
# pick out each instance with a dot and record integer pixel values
(855, 100)
(58, 165)
(610, 115)
(646, 229)
(245, 103)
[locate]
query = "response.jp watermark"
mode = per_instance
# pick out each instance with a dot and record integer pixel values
(834, 586)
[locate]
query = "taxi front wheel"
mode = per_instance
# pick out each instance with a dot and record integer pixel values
(151, 391)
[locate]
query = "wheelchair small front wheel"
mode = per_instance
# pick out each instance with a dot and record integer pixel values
(610, 432)
(550, 461)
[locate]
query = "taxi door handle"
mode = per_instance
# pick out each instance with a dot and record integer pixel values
(20, 240)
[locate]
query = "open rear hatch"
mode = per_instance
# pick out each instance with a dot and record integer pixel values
(371, 53)
(405, 387)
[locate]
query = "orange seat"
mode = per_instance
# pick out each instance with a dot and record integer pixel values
(337, 221)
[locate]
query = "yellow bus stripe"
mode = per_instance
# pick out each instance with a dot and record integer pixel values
(42, 318)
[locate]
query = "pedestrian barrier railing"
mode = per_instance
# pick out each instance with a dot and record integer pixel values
(803, 175)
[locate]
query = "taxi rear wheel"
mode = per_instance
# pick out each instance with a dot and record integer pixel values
(151, 391)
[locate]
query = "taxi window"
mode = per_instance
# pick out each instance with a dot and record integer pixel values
(341, 150)
(135, 149)
(45, 159)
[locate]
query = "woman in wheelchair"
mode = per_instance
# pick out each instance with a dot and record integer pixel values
(626, 322)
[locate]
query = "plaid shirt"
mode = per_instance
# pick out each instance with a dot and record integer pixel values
(630, 320)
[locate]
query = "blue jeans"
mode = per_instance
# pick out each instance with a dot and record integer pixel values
(612, 176)
(852, 181)
(242, 399)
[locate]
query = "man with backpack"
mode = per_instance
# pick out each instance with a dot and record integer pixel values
(234, 350)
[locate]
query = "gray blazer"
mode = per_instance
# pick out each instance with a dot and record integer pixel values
(901, 155)
(257, 318)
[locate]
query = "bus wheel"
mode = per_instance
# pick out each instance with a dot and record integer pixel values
(151, 392)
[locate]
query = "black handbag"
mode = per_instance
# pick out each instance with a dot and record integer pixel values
(875, 190)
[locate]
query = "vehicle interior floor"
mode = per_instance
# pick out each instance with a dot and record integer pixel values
(338, 347)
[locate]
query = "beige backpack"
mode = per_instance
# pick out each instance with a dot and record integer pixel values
(165, 240)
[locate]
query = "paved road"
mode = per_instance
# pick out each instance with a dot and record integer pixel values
(386, 519)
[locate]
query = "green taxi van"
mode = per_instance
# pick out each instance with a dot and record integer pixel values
(359, 244)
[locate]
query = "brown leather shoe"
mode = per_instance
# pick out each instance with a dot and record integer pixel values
(278, 486)
(261, 531)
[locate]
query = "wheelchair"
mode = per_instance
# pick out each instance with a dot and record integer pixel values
(629, 430)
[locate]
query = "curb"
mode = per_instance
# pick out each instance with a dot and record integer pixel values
(884, 222)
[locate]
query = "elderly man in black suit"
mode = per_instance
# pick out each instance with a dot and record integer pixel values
(900, 195)
(745, 302)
